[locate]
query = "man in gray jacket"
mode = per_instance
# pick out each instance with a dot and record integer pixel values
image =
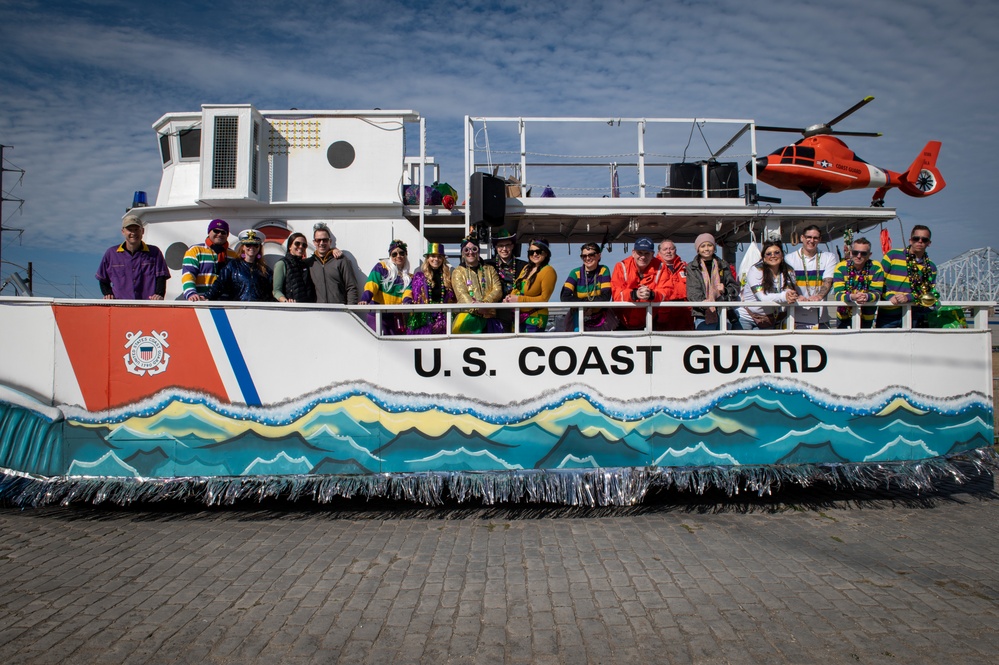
(331, 271)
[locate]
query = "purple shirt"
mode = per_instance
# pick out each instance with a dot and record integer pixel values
(132, 276)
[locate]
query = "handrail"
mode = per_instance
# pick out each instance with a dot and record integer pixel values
(979, 321)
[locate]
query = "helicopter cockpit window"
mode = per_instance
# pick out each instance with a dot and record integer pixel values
(788, 155)
(805, 156)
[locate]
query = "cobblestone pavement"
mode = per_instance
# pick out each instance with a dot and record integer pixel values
(809, 576)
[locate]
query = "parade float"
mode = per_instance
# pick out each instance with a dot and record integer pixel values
(124, 401)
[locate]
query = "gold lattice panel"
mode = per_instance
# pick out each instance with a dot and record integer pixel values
(286, 135)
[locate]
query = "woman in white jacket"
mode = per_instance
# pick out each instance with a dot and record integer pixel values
(770, 280)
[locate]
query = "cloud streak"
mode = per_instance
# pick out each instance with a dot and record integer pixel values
(84, 83)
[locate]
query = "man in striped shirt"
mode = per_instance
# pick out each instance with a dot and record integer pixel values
(813, 271)
(858, 281)
(909, 274)
(202, 263)
(589, 283)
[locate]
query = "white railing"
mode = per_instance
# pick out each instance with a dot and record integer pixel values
(978, 320)
(701, 141)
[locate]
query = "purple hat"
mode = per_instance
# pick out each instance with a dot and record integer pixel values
(470, 239)
(398, 244)
(703, 238)
(218, 224)
(645, 244)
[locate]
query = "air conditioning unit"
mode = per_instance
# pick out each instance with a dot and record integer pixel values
(232, 163)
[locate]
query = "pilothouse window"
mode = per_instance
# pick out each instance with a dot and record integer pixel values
(190, 143)
(165, 148)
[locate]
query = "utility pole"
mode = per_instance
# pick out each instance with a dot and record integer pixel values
(3, 196)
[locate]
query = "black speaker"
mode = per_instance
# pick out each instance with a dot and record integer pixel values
(723, 180)
(487, 200)
(685, 180)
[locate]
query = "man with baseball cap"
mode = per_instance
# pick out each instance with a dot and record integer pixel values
(133, 270)
(639, 278)
(202, 263)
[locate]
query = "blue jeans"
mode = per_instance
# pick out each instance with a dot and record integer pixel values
(701, 324)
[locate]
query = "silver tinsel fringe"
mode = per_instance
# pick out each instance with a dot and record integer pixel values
(571, 487)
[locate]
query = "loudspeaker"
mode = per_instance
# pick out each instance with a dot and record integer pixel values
(487, 199)
(723, 180)
(685, 180)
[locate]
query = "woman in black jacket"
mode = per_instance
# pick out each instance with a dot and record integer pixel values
(246, 278)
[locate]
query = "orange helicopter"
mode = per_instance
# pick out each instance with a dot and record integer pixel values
(820, 163)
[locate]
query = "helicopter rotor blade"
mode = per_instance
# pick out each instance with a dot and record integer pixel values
(863, 102)
(766, 128)
(870, 134)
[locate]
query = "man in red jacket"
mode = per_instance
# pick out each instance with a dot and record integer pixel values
(674, 318)
(639, 278)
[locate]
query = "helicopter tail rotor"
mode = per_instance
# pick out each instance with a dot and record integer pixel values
(923, 178)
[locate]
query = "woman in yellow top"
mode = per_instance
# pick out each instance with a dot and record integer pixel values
(535, 283)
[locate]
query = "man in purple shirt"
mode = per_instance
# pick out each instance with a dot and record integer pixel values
(133, 270)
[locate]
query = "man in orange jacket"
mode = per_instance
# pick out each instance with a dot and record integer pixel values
(674, 318)
(639, 278)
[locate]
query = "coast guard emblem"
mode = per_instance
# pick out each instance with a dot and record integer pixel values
(146, 353)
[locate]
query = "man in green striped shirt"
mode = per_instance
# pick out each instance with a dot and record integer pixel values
(909, 275)
(858, 281)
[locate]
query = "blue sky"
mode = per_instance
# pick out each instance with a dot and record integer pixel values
(84, 81)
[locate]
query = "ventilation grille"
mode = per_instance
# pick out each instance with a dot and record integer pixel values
(225, 152)
(256, 157)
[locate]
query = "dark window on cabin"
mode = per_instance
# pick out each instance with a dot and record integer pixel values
(190, 143)
(788, 157)
(165, 148)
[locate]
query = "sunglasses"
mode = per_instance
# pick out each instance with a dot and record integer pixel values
(860, 253)
(299, 244)
(815, 238)
(320, 240)
(397, 253)
(774, 255)
(919, 239)
(470, 250)
(218, 232)
(588, 255)
(536, 251)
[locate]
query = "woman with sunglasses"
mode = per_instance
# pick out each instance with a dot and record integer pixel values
(590, 283)
(245, 278)
(431, 285)
(769, 280)
(535, 283)
(292, 282)
(388, 284)
(475, 282)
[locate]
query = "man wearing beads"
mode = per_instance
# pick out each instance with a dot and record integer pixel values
(813, 271)
(858, 281)
(910, 277)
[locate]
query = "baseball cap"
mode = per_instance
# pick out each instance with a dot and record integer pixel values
(645, 244)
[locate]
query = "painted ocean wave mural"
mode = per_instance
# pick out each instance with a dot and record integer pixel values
(358, 429)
